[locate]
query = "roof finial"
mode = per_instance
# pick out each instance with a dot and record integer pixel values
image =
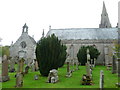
(49, 27)
(43, 33)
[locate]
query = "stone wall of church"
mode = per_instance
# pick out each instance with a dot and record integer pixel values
(101, 45)
(30, 48)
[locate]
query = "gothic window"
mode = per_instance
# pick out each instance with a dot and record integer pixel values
(23, 44)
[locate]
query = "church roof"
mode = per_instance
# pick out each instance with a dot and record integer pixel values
(32, 39)
(84, 33)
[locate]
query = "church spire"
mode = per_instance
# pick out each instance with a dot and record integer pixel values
(25, 28)
(105, 23)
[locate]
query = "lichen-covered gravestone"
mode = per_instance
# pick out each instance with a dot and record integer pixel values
(5, 76)
(53, 76)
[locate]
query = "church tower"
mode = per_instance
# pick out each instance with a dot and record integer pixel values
(105, 23)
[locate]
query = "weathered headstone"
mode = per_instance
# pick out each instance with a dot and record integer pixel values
(77, 65)
(71, 55)
(19, 79)
(101, 80)
(26, 69)
(36, 65)
(114, 67)
(33, 66)
(94, 62)
(88, 69)
(88, 56)
(36, 77)
(68, 67)
(21, 65)
(86, 80)
(19, 75)
(5, 76)
(73, 65)
(53, 76)
(12, 63)
(69, 74)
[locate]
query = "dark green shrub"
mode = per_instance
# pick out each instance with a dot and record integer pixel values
(82, 54)
(50, 54)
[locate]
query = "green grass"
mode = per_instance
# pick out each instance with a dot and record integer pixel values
(72, 82)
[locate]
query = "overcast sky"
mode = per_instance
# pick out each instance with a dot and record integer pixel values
(39, 14)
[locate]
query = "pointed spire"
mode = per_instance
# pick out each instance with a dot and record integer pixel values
(104, 9)
(105, 23)
(43, 33)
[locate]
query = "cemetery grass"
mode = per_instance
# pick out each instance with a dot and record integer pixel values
(72, 82)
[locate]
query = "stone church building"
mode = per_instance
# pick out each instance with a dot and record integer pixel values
(102, 38)
(26, 43)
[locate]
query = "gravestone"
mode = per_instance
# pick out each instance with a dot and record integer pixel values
(5, 76)
(19, 79)
(88, 69)
(114, 66)
(36, 65)
(36, 77)
(77, 65)
(72, 56)
(68, 67)
(21, 65)
(73, 65)
(53, 76)
(26, 69)
(101, 80)
(94, 62)
(69, 74)
(88, 56)
(86, 80)
(19, 75)
(12, 63)
(33, 66)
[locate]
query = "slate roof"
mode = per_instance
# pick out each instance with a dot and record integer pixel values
(85, 33)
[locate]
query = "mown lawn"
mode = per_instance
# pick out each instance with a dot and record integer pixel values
(72, 82)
